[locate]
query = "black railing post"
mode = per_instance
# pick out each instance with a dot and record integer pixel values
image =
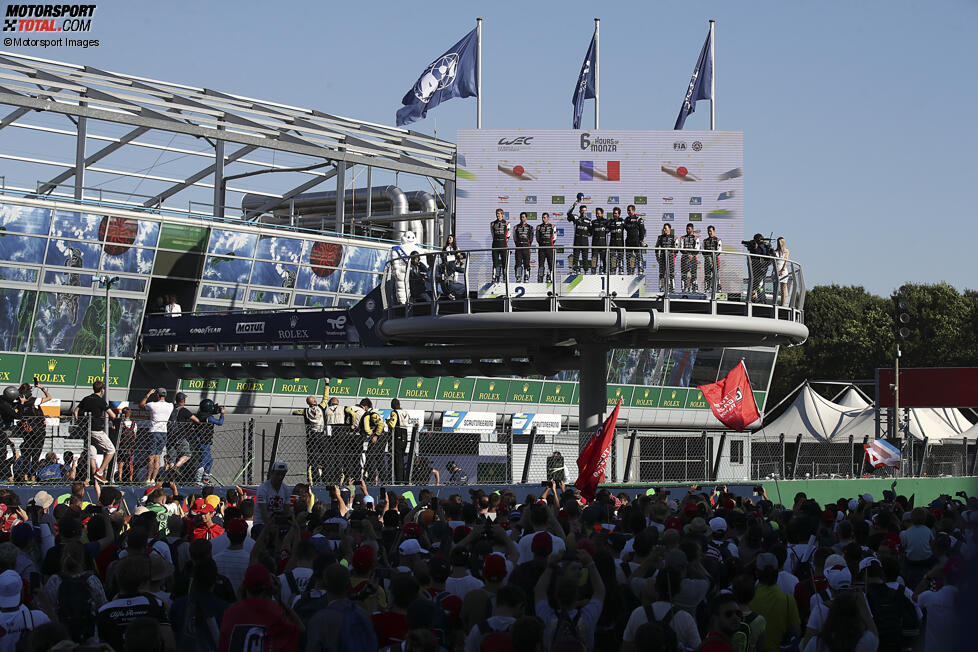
(529, 454)
(706, 458)
(964, 455)
(719, 456)
(411, 451)
(784, 462)
(631, 451)
(794, 469)
(262, 454)
(278, 433)
(923, 458)
(250, 452)
(509, 451)
(852, 461)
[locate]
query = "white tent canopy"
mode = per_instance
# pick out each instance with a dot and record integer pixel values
(853, 399)
(818, 419)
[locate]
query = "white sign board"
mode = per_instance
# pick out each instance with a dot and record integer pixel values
(483, 423)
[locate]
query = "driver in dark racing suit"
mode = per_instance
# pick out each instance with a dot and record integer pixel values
(616, 239)
(690, 246)
(665, 253)
(599, 242)
(582, 230)
(711, 252)
(634, 239)
(499, 230)
(546, 235)
(522, 238)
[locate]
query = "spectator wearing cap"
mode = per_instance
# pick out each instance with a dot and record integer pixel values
(409, 553)
(260, 620)
(481, 601)
(234, 562)
(718, 527)
(665, 584)
(542, 519)
(273, 494)
(131, 603)
(840, 580)
(159, 413)
(391, 626)
(366, 591)
(16, 618)
(325, 628)
(779, 609)
(509, 606)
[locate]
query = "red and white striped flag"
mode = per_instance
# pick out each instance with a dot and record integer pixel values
(881, 453)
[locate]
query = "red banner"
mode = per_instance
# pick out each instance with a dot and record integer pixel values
(732, 399)
(594, 457)
(929, 387)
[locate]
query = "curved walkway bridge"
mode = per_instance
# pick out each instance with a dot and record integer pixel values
(463, 313)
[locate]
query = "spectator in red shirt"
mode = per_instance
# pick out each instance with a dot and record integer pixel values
(725, 621)
(392, 626)
(260, 621)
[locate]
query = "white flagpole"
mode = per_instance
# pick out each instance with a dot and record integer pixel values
(713, 76)
(478, 74)
(597, 67)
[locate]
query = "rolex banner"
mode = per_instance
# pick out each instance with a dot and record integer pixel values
(732, 399)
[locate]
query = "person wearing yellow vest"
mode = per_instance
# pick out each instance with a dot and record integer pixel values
(367, 426)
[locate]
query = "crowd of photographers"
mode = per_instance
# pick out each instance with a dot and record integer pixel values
(278, 569)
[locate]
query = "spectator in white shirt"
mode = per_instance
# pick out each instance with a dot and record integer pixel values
(234, 562)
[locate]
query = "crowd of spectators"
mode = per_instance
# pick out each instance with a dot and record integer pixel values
(276, 569)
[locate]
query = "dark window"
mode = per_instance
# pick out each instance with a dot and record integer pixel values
(736, 451)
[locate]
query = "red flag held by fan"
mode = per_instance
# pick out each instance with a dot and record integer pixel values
(732, 399)
(594, 457)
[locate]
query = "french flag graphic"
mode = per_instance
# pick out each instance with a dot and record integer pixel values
(880, 453)
(609, 171)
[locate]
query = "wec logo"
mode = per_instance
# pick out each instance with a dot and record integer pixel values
(519, 140)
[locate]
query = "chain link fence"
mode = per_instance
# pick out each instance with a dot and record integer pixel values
(53, 451)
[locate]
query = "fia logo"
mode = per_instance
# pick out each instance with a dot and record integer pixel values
(679, 146)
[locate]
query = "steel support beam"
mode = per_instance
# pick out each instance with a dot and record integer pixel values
(94, 158)
(81, 136)
(219, 190)
(197, 176)
(340, 197)
(13, 115)
(301, 188)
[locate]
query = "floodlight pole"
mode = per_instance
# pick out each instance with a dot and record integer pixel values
(896, 393)
(478, 73)
(108, 282)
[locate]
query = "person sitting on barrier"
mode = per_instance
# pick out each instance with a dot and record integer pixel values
(457, 475)
(448, 271)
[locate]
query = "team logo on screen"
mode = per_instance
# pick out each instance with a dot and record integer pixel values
(696, 217)
(679, 146)
(727, 194)
(668, 217)
(640, 200)
(695, 201)
(514, 143)
(598, 144)
(697, 145)
(530, 199)
(613, 199)
(556, 199)
(667, 200)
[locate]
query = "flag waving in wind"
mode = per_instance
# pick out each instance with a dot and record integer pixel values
(880, 453)
(700, 84)
(450, 75)
(585, 82)
(594, 457)
(732, 399)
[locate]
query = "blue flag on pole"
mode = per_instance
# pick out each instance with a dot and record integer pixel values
(585, 83)
(450, 75)
(700, 84)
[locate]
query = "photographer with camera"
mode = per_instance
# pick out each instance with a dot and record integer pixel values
(759, 248)
(159, 411)
(209, 414)
(9, 402)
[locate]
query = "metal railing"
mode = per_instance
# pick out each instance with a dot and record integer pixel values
(563, 273)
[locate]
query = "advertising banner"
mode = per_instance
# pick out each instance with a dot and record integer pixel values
(546, 424)
(669, 176)
(294, 327)
(483, 423)
(50, 370)
(92, 369)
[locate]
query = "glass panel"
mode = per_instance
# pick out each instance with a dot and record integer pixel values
(24, 219)
(632, 366)
(222, 292)
(120, 233)
(263, 296)
(681, 368)
(318, 279)
(758, 363)
(19, 274)
(209, 307)
(130, 284)
(66, 278)
(365, 258)
(128, 259)
(21, 249)
(73, 254)
(71, 224)
(75, 323)
(358, 282)
(16, 313)
(286, 250)
(705, 369)
(274, 275)
(312, 300)
(232, 243)
(227, 269)
(346, 302)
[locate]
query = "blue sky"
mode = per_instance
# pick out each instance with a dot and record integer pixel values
(857, 116)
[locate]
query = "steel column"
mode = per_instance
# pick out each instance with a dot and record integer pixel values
(594, 386)
(340, 196)
(80, 138)
(219, 190)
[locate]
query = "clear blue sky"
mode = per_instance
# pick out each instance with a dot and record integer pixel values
(857, 116)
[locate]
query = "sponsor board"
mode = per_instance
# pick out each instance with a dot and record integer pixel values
(418, 388)
(546, 424)
(414, 417)
(455, 389)
(491, 390)
(92, 369)
(482, 423)
(50, 370)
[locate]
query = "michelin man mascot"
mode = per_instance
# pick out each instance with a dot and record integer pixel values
(400, 258)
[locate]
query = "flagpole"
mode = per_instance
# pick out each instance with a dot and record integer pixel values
(478, 74)
(597, 67)
(713, 76)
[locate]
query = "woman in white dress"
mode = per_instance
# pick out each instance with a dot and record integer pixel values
(781, 255)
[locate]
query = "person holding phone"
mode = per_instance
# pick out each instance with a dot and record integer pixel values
(159, 410)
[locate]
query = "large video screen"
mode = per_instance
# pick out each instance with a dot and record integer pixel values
(678, 177)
